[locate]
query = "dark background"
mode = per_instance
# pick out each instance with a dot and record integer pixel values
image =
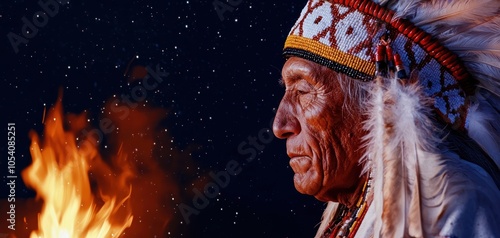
(222, 88)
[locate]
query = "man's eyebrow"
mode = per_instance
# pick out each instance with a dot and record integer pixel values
(284, 80)
(291, 76)
(311, 77)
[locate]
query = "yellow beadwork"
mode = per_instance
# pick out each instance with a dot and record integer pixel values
(330, 53)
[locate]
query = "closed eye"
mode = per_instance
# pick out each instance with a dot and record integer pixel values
(301, 92)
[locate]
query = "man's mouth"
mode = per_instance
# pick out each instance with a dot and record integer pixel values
(300, 164)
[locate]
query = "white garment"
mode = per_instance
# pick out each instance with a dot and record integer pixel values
(471, 207)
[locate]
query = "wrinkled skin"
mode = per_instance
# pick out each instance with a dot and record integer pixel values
(323, 136)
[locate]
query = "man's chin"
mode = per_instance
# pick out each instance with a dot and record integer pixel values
(323, 197)
(305, 184)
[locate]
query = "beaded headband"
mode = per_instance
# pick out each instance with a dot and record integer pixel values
(344, 35)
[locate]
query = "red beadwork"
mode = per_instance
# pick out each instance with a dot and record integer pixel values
(397, 60)
(441, 48)
(440, 54)
(433, 47)
(412, 32)
(373, 7)
(396, 23)
(379, 11)
(375, 10)
(402, 26)
(389, 16)
(419, 35)
(407, 31)
(382, 13)
(456, 66)
(388, 52)
(363, 6)
(356, 3)
(448, 61)
(426, 40)
(380, 56)
(445, 57)
(432, 53)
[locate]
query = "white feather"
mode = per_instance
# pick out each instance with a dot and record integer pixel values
(454, 12)
(412, 127)
(375, 147)
(434, 179)
(394, 194)
(404, 8)
(328, 215)
(471, 29)
(484, 124)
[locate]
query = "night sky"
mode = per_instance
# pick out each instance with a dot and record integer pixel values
(219, 89)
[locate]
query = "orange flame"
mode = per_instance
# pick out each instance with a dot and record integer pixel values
(60, 175)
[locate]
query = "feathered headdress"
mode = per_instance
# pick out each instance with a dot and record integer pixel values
(451, 50)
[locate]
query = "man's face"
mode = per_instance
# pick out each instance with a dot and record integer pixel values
(322, 130)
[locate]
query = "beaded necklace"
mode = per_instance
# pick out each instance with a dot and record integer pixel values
(347, 221)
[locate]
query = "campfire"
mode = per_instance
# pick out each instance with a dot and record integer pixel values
(60, 175)
(92, 182)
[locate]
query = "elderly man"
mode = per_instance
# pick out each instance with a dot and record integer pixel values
(391, 114)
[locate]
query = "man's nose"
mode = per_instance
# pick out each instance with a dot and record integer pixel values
(285, 123)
